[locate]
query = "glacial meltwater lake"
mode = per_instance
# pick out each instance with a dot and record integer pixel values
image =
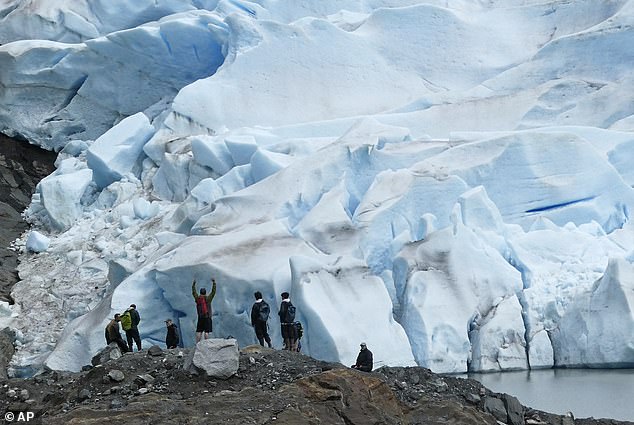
(598, 393)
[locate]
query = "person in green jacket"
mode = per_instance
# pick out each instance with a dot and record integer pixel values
(130, 324)
(203, 307)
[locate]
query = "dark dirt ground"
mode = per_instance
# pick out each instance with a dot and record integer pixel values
(271, 387)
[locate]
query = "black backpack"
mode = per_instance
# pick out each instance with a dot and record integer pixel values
(263, 312)
(299, 330)
(290, 314)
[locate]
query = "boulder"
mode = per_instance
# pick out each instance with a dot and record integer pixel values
(568, 419)
(111, 352)
(84, 394)
(117, 403)
(473, 398)
(116, 375)
(496, 407)
(219, 358)
(514, 410)
(155, 351)
(146, 378)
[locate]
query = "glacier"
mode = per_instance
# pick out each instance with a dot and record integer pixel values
(448, 181)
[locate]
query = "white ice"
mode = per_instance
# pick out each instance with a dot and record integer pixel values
(449, 181)
(37, 242)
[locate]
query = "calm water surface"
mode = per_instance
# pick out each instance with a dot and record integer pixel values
(598, 393)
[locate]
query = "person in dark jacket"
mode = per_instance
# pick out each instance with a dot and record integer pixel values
(113, 334)
(287, 317)
(364, 359)
(172, 339)
(132, 334)
(203, 307)
(259, 316)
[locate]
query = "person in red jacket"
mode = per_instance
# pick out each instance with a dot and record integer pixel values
(203, 307)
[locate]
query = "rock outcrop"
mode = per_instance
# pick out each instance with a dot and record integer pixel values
(111, 352)
(7, 336)
(270, 386)
(22, 166)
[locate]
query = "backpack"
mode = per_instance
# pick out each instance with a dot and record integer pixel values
(136, 317)
(126, 321)
(201, 306)
(290, 314)
(299, 330)
(263, 312)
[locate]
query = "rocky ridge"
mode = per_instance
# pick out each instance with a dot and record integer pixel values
(22, 166)
(271, 386)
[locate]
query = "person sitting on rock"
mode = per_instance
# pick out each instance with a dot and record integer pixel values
(203, 307)
(113, 334)
(172, 339)
(364, 359)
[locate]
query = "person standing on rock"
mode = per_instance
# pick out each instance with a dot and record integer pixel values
(259, 316)
(287, 317)
(364, 359)
(130, 323)
(113, 334)
(172, 339)
(203, 307)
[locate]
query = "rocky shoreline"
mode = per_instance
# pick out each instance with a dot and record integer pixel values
(22, 166)
(271, 386)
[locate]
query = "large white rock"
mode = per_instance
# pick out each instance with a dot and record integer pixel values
(219, 358)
